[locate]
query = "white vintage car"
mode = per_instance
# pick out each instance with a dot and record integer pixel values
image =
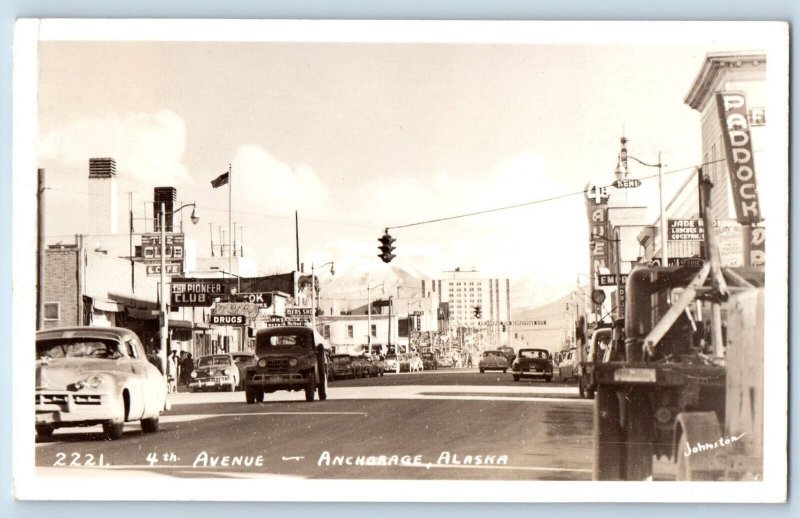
(95, 375)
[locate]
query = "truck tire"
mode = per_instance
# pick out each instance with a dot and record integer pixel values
(311, 387)
(607, 462)
(516, 377)
(150, 425)
(250, 394)
(44, 431)
(322, 388)
(639, 436)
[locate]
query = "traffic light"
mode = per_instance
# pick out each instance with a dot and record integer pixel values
(386, 247)
(478, 312)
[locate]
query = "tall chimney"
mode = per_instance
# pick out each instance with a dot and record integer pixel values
(102, 196)
(167, 196)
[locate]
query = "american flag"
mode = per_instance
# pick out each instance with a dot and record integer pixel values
(219, 181)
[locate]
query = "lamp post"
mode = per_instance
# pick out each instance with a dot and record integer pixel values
(621, 173)
(314, 293)
(162, 212)
(369, 315)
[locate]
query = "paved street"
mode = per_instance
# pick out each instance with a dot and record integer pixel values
(450, 424)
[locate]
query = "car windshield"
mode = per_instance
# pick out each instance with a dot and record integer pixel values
(341, 359)
(533, 354)
(78, 348)
(288, 340)
(208, 361)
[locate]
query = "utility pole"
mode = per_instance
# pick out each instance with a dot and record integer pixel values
(40, 251)
(297, 240)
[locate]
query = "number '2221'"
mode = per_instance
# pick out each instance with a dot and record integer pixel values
(79, 459)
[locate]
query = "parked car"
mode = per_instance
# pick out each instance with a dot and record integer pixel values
(391, 363)
(219, 371)
(533, 363)
(288, 358)
(375, 364)
(368, 368)
(405, 364)
(344, 366)
(429, 362)
(508, 353)
(568, 368)
(444, 361)
(493, 360)
(96, 375)
(415, 363)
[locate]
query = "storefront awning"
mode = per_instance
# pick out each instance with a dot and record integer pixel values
(142, 314)
(107, 305)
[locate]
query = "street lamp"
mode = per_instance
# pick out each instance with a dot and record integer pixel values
(162, 213)
(369, 314)
(621, 172)
(314, 293)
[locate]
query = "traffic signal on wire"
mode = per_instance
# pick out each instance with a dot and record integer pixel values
(386, 247)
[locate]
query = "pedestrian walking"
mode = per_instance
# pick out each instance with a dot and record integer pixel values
(187, 366)
(172, 371)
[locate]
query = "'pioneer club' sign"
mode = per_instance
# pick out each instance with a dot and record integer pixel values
(732, 110)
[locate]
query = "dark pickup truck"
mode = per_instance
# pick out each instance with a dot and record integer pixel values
(287, 358)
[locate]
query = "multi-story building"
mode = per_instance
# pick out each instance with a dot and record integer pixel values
(732, 72)
(464, 290)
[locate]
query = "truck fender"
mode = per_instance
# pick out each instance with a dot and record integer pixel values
(701, 428)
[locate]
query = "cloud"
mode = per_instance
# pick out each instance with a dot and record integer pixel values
(147, 147)
(275, 186)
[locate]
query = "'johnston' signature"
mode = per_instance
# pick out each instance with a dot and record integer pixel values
(707, 446)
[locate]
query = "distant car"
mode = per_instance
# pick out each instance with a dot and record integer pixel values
(377, 363)
(493, 361)
(533, 363)
(96, 375)
(445, 360)
(344, 366)
(391, 363)
(219, 371)
(429, 361)
(415, 363)
(568, 368)
(508, 353)
(368, 368)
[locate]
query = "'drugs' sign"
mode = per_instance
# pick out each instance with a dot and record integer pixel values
(732, 109)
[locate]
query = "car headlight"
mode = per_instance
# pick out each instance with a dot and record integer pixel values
(262, 362)
(193, 374)
(292, 362)
(94, 382)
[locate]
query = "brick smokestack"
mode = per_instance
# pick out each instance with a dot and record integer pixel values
(102, 196)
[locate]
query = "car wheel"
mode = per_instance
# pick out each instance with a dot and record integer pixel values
(44, 430)
(192, 389)
(311, 387)
(482, 370)
(113, 429)
(150, 425)
(504, 371)
(516, 377)
(548, 379)
(260, 395)
(322, 389)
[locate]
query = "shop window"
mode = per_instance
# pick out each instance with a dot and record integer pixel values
(349, 331)
(52, 311)
(374, 330)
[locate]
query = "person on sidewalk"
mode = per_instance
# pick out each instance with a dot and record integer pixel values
(172, 372)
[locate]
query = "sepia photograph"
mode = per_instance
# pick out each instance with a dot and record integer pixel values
(400, 260)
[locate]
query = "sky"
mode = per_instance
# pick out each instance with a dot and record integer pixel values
(358, 137)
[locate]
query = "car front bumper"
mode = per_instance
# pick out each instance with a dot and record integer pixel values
(75, 409)
(277, 380)
(217, 381)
